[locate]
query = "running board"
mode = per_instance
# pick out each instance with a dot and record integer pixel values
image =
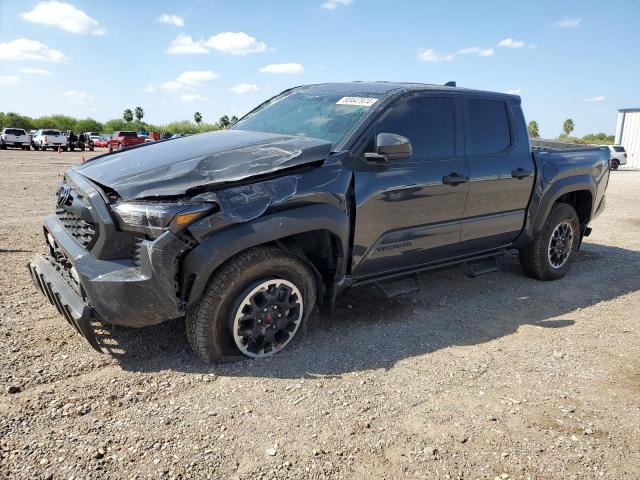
(483, 267)
(401, 286)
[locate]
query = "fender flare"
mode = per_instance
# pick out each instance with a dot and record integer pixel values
(201, 262)
(556, 190)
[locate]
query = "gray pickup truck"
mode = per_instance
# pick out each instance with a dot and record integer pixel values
(243, 232)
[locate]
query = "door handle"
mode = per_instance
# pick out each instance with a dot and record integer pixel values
(454, 179)
(521, 173)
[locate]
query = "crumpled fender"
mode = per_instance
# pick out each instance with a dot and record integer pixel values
(204, 259)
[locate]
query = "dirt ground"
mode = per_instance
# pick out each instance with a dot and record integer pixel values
(498, 376)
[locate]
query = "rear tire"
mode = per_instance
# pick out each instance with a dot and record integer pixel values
(615, 164)
(242, 311)
(555, 247)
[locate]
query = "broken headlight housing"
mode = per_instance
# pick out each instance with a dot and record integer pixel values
(153, 218)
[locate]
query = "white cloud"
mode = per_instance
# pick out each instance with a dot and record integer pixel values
(483, 52)
(235, 43)
(245, 88)
(283, 68)
(599, 98)
(333, 4)
(511, 43)
(193, 98)
(36, 71)
(515, 91)
(184, 44)
(429, 55)
(25, 49)
(171, 19)
(569, 23)
(9, 79)
(150, 88)
(197, 77)
(468, 50)
(64, 16)
(79, 98)
(172, 86)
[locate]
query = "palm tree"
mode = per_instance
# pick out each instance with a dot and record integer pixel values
(533, 129)
(568, 126)
(127, 115)
(197, 117)
(224, 121)
(139, 113)
(234, 119)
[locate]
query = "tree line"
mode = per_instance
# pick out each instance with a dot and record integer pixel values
(567, 128)
(131, 120)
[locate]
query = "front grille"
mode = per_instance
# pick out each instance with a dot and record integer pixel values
(137, 252)
(82, 231)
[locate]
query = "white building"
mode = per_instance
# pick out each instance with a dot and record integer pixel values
(628, 134)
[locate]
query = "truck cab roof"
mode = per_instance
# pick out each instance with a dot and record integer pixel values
(391, 88)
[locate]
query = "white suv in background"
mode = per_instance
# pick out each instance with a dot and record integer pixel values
(48, 138)
(618, 155)
(14, 137)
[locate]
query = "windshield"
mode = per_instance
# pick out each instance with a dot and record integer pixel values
(303, 112)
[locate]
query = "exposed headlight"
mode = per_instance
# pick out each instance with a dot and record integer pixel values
(153, 218)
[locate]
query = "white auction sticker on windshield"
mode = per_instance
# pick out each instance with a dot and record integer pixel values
(357, 101)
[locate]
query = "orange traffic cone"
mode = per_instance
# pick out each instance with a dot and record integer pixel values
(59, 150)
(83, 159)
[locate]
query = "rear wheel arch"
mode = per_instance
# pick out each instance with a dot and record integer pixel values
(578, 194)
(582, 203)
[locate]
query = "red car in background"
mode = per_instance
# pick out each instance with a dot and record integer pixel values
(124, 139)
(103, 141)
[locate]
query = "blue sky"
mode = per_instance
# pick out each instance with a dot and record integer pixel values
(577, 59)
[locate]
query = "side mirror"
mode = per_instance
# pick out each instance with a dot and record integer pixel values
(390, 146)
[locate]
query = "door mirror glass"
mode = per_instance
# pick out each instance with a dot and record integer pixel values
(390, 146)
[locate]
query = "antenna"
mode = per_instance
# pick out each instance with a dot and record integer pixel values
(450, 84)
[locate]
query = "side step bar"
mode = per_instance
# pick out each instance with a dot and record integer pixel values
(400, 286)
(483, 267)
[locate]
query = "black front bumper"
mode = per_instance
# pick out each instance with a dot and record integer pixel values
(52, 285)
(103, 279)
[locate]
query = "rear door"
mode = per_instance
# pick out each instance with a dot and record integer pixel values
(501, 170)
(406, 215)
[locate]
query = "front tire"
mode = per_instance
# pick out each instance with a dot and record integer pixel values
(254, 305)
(615, 164)
(555, 247)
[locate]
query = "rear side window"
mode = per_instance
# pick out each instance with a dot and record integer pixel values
(487, 127)
(427, 122)
(618, 149)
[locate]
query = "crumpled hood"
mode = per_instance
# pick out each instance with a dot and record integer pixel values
(209, 159)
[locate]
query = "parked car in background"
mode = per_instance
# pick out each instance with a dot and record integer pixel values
(618, 155)
(124, 139)
(49, 138)
(102, 141)
(14, 137)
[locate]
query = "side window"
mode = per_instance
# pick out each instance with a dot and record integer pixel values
(427, 122)
(487, 127)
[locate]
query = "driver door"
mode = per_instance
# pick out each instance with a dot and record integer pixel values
(408, 212)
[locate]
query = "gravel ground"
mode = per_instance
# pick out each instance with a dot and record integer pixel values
(498, 376)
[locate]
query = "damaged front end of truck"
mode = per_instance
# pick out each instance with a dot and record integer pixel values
(137, 233)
